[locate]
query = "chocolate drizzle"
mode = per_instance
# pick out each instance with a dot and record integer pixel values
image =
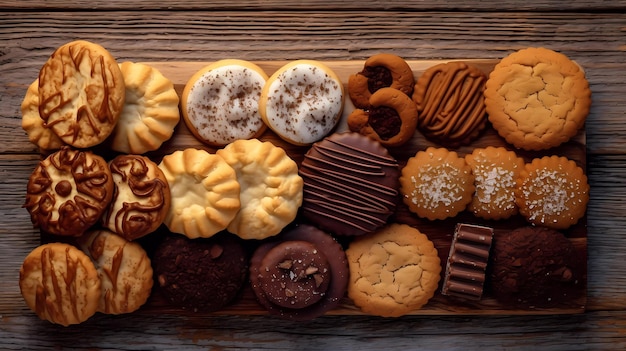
(350, 184)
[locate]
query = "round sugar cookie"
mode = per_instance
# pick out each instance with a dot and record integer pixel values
(271, 189)
(150, 111)
(204, 192)
(393, 271)
(124, 269)
(537, 98)
(60, 284)
(81, 93)
(220, 102)
(302, 101)
(32, 123)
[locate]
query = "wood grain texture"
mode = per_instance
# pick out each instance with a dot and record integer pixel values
(591, 32)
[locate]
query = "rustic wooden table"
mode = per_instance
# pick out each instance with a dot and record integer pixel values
(591, 32)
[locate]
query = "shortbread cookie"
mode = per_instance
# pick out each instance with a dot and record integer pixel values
(124, 269)
(537, 98)
(60, 284)
(204, 190)
(393, 271)
(302, 101)
(390, 118)
(271, 189)
(68, 192)
(220, 102)
(450, 103)
(150, 111)
(141, 199)
(380, 71)
(32, 123)
(437, 183)
(553, 192)
(495, 170)
(81, 93)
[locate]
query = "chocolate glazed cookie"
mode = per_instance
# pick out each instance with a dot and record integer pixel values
(301, 276)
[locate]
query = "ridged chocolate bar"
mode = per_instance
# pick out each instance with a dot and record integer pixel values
(467, 261)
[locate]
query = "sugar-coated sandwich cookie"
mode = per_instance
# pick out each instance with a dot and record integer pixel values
(552, 191)
(150, 111)
(495, 170)
(60, 284)
(380, 71)
(534, 267)
(68, 192)
(450, 103)
(302, 101)
(33, 124)
(436, 183)
(390, 118)
(537, 98)
(81, 93)
(201, 275)
(300, 276)
(220, 102)
(271, 189)
(124, 269)
(141, 199)
(393, 271)
(350, 184)
(204, 192)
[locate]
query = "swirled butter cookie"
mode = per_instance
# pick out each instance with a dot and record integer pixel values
(141, 199)
(302, 101)
(32, 123)
(271, 189)
(393, 271)
(220, 102)
(150, 110)
(537, 98)
(60, 284)
(81, 93)
(204, 190)
(68, 192)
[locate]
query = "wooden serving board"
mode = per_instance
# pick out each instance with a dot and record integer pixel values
(440, 232)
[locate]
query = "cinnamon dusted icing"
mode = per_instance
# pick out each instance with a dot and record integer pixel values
(68, 192)
(450, 103)
(350, 184)
(142, 197)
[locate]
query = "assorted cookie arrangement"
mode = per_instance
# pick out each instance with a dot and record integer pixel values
(305, 234)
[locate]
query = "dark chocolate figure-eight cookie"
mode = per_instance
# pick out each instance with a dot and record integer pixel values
(380, 71)
(390, 118)
(301, 276)
(68, 192)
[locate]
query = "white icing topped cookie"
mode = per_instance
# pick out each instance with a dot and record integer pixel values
(302, 101)
(220, 103)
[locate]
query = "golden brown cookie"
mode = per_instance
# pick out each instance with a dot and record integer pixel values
(141, 198)
(302, 101)
(220, 102)
(60, 284)
(205, 192)
(495, 170)
(537, 98)
(450, 103)
(552, 191)
(81, 93)
(32, 123)
(271, 189)
(68, 192)
(436, 183)
(124, 269)
(390, 118)
(380, 71)
(150, 110)
(393, 271)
